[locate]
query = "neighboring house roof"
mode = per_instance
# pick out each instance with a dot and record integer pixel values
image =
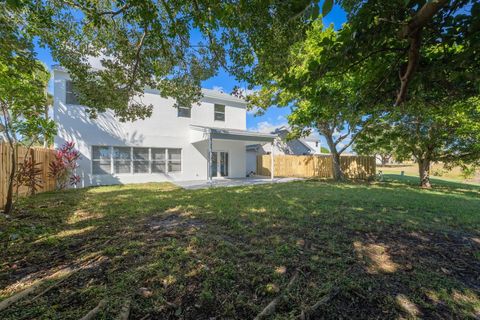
(283, 131)
(304, 142)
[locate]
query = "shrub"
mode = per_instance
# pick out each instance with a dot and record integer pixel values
(64, 165)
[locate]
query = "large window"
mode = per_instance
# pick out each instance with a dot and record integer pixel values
(158, 160)
(70, 97)
(141, 160)
(184, 112)
(101, 160)
(122, 160)
(127, 160)
(219, 112)
(174, 160)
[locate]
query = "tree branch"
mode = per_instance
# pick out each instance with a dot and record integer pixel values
(137, 59)
(412, 31)
(114, 13)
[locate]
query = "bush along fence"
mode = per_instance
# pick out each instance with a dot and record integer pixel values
(316, 166)
(33, 173)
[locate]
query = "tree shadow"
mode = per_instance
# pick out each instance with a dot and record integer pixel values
(223, 252)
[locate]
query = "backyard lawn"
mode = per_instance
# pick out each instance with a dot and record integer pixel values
(384, 250)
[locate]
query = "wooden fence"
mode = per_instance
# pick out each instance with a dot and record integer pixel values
(41, 156)
(316, 166)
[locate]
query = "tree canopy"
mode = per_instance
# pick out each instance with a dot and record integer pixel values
(23, 96)
(166, 45)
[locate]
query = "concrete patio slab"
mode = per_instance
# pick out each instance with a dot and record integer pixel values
(217, 183)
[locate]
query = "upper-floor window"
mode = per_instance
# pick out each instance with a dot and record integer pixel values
(219, 112)
(184, 112)
(70, 96)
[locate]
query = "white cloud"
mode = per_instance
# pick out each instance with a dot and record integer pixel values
(267, 127)
(218, 88)
(253, 111)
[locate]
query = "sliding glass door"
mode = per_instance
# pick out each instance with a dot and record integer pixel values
(219, 164)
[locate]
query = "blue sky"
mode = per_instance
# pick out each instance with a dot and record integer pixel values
(273, 118)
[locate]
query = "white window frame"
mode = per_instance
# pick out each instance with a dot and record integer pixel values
(175, 161)
(165, 160)
(150, 160)
(98, 160)
(113, 160)
(137, 160)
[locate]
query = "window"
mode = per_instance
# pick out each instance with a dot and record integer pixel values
(70, 97)
(219, 112)
(141, 160)
(184, 112)
(316, 144)
(122, 160)
(158, 160)
(101, 162)
(174, 160)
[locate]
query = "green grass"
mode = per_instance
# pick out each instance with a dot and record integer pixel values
(389, 249)
(437, 171)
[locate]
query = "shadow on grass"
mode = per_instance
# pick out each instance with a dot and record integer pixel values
(392, 249)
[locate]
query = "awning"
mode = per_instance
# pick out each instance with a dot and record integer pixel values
(200, 133)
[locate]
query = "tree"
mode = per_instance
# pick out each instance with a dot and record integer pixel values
(23, 80)
(327, 102)
(390, 39)
(166, 45)
(447, 133)
(375, 142)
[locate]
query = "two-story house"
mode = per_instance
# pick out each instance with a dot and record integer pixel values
(201, 142)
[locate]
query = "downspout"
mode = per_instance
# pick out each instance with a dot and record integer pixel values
(272, 161)
(209, 156)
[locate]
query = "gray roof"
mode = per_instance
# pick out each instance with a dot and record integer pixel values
(235, 134)
(209, 93)
(215, 94)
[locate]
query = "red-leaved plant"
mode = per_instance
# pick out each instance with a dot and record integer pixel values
(64, 165)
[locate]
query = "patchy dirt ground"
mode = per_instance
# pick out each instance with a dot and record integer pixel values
(320, 250)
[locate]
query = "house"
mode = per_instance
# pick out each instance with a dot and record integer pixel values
(203, 142)
(301, 146)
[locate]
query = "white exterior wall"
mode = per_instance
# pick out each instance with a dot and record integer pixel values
(315, 145)
(251, 161)
(162, 130)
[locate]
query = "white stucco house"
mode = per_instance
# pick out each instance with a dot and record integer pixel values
(301, 146)
(204, 142)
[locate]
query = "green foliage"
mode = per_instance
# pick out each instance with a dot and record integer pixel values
(328, 102)
(23, 82)
(449, 133)
(170, 46)
(324, 149)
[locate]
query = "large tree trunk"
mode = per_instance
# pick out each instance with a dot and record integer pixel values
(424, 172)
(337, 169)
(11, 181)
